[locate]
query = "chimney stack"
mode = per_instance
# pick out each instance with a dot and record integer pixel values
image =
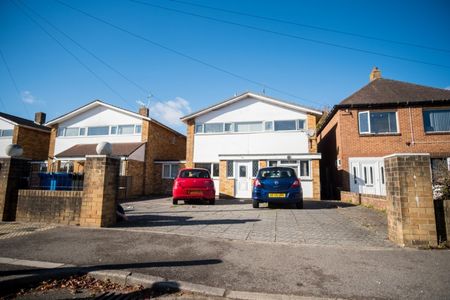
(375, 74)
(143, 111)
(39, 118)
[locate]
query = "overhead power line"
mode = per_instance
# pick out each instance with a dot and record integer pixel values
(14, 83)
(313, 26)
(179, 53)
(138, 86)
(293, 36)
(71, 53)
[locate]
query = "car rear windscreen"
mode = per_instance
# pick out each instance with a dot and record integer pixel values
(277, 173)
(194, 173)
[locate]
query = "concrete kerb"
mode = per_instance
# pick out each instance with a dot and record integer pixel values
(60, 270)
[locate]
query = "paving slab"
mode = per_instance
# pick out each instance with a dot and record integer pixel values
(320, 222)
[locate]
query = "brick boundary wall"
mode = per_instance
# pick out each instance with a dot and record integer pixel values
(372, 201)
(101, 178)
(60, 207)
(410, 206)
(447, 219)
(12, 173)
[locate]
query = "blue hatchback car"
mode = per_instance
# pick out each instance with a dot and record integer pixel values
(277, 185)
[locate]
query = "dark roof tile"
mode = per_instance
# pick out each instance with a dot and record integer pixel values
(387, 91)
(81, 150)
(24, 122)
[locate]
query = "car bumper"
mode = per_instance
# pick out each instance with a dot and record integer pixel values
(205, 194)
(290, 196)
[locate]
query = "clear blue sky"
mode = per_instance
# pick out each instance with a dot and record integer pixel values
(51, 80)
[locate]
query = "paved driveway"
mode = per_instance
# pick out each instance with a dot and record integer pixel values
(325, 222)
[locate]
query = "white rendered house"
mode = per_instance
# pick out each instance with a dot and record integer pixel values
(236, 137)
(138, 140)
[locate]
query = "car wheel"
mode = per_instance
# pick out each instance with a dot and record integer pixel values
(299, 205)
(255, 204)
(212, 202)
(174, 202)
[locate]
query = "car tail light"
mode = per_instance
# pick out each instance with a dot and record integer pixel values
(209, 183)
(257, 183)
(295, 184)
(175, 184)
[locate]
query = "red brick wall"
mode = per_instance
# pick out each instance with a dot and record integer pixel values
(35, 143)
(372, 201)
(344, 141)
(162, 144)
(61, 207)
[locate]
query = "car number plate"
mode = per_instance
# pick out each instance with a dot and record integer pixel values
(277, 195)
(195, 193)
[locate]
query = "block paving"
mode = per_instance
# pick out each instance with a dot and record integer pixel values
(327, 223)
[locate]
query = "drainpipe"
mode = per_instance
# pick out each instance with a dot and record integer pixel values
(411, 127)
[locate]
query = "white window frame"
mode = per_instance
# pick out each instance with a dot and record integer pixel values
(170, 170)
(198, 132)
(423, 119)
(6, 136)
(234, 169)
(370, 126)
(214, 132)
(271, 126)
(297, 167)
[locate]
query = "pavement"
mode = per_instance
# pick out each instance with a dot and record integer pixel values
(362, 266)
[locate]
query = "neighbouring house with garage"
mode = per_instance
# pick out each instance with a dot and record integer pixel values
(383, 117)
(236, 137)
(140, 141)
(32, 136)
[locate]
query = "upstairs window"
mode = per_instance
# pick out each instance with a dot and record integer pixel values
(228, 127)
(6, 132)
(268, 125)
(285, 125)
(72, 131)
(199, 128)
(377, 122)
(213, 127)
(437, 120)
(125, 129)
(98, 130)
(248, 126)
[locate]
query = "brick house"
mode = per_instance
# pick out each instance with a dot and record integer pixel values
(236, 137)
(140, 141)
(32, 136)
(384, 117)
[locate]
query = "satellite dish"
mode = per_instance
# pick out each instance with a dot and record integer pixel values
(310, 132)
(104, 148)
(13, 150)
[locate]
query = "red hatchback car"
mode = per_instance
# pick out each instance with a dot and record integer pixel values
(193, 184)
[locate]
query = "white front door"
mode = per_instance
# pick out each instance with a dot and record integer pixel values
(243, 179)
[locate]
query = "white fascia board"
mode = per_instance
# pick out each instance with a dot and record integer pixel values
(406, 154)
(70, 158)
(8, 121)
(293, 156)
(256, 96)
(90, 106)
(169, 162)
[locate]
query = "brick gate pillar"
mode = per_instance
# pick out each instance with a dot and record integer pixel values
(410, 207)
(13, 175)
(101, 178)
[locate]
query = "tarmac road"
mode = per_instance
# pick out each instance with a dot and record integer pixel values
(282, 268)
